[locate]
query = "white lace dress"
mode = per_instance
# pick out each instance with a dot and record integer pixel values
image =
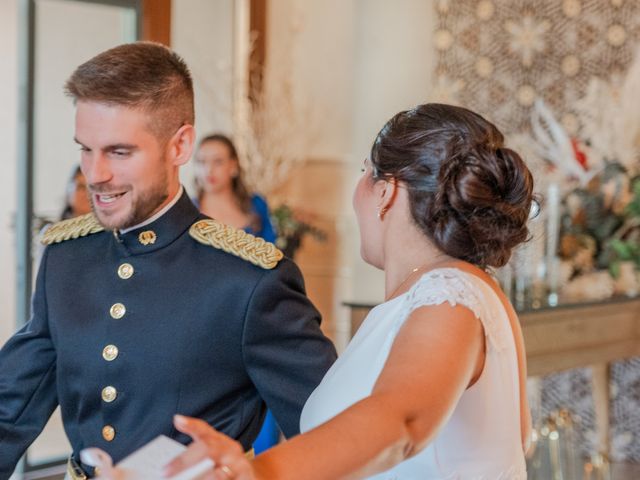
(481, 439)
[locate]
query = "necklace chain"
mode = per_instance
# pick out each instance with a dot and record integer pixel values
(405, 280)
(414, 270)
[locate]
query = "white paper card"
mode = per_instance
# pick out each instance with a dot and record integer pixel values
(147, 462)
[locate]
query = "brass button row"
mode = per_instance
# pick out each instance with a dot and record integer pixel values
(110, 352)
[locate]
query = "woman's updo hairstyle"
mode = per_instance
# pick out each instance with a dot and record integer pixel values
(468, 193)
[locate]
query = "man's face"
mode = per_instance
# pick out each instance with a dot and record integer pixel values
(128, 175)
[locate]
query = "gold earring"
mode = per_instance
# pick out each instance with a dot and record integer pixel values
(381, 212)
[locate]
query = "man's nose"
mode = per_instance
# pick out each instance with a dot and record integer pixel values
(97, 170)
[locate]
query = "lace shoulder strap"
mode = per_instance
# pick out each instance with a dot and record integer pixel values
(457, 287)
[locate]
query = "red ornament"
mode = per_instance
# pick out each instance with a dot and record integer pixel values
(580, 156)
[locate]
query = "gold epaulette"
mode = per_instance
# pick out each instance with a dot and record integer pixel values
(73, 228)
(237, 242)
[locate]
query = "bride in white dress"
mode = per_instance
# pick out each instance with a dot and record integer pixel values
(432, 386)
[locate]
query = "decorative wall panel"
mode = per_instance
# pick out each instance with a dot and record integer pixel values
(498, 56)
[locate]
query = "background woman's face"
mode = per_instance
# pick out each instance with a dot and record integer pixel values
(78, 196)
(215, 167)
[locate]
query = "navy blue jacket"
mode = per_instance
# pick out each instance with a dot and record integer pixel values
(202, 333)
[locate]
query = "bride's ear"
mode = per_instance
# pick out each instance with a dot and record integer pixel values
(388, 192)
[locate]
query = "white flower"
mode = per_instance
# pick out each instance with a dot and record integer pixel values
(527, 37)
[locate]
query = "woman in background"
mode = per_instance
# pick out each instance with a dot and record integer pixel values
(77, 199)
(222, 194)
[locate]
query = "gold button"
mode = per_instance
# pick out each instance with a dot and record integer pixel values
(110, 353)
(109, 394)
(108, 433)
(117, 311)
(125, 271)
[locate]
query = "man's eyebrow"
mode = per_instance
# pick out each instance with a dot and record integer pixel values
(110, 148)
(118, 146)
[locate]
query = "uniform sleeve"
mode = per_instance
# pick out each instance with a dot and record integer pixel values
(285, 352)
(27, 382)
(262, 209)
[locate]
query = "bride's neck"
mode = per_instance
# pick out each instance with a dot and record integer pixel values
(407, 258)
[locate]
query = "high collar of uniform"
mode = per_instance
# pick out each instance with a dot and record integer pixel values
(161, 232)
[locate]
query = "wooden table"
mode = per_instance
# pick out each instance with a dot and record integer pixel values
(571, 336)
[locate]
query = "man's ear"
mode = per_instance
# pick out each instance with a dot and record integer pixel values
(181, 145)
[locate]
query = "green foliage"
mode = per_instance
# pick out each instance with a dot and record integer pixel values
(623, 251)
(291, 228)
(633, 208)
(624, 246)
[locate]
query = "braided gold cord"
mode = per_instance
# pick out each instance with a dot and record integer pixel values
(73, 228)
(237, 242)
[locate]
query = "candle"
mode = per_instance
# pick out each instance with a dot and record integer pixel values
(553, 234)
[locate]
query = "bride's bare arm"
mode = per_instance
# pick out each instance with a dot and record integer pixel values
(437, 354)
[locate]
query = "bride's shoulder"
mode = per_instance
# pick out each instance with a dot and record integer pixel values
(459, 287)
(450, 284)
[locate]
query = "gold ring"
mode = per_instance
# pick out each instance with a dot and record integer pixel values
(227, 471)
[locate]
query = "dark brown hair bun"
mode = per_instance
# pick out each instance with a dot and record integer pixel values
(468, 193)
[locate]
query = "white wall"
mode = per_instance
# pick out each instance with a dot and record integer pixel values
(202, 33)
(392, 72)
(318, 39)
(355, 64)
(8, 140)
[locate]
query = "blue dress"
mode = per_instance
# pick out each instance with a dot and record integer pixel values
(266, 231)
(261, 209)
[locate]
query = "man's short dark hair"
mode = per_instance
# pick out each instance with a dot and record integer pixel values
(142, 75)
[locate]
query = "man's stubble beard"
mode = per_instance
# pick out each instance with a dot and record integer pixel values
(142, 207)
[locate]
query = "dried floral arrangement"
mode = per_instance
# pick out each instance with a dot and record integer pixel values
(600, 236)
(597, 174)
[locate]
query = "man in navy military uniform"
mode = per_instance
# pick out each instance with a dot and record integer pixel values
(146, 308)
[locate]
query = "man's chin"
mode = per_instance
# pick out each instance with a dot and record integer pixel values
(110, 221)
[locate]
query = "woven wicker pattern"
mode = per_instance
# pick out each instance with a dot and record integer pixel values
(73, 228)
(237, 242)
